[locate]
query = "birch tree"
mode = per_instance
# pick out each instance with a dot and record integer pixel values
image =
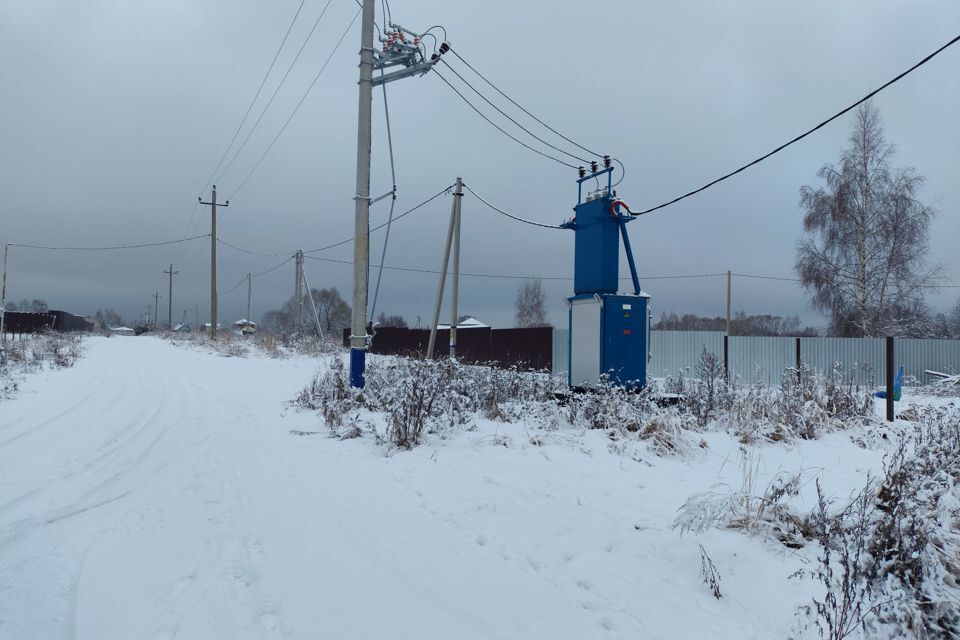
(866, 237)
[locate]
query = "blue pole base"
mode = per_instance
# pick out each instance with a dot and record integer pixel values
(358, 365)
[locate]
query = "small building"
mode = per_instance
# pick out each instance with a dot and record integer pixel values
(122, 331)
(467, 323)
(245, 326)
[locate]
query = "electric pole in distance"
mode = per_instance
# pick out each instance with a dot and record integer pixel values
(397, 50)
(171, 273)
(156, 303)
(249, 294)
(213, 257)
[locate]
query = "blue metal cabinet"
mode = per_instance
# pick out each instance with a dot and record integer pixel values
(624, 340)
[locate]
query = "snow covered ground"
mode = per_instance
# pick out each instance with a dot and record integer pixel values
(157, 491)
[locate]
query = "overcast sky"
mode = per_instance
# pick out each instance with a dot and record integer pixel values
(113, 114)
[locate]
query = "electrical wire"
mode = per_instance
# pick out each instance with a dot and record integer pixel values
(499, 276)
(296, 108)
(256, 95)
(273, 268)
(805, 134)
(393, 201)
(516, 104)
(275, 92)
(505, 115)
(113, 248)
(380, 226)
(510, 215)
(496, 126)
(250, 251)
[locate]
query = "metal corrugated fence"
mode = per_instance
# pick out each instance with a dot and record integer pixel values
(763, 359)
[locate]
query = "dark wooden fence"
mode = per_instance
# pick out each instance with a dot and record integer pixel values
(530, 349)
(19, 322)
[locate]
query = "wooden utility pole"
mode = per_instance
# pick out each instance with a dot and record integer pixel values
(171, 273)
(156, 306)
(213, 257)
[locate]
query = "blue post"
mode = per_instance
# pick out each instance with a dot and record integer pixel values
(633, 266)
(358, 365)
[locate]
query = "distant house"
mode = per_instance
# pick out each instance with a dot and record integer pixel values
(467, 323)
(183, 327)
(245, 326)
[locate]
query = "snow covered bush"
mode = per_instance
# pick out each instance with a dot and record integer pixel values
(31, 354)
(888, 560)
(765, 514)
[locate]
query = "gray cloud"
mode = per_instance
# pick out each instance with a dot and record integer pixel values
(113, 114)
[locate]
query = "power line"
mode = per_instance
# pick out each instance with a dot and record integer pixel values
(510, 215)
(516, 104)
(250, 251)
(252, 102)
(804, 135)
(275, 92)
(380, 226)
(505, 115)
(498, 127)
(114, 248)
(273, 268)
(297, 108)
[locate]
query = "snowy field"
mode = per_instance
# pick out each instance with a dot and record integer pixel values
(160, 491)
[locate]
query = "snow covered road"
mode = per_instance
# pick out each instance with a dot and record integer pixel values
(155, 491)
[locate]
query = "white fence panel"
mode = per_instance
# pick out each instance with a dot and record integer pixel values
(561, 351)
(673, 351)
(862, 360)
(918, 355)
(761, 359)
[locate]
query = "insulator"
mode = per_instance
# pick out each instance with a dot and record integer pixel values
(581, 171)
(606, 161)
(444, 48)
(593, 166)
(434, 57)
(416, 41)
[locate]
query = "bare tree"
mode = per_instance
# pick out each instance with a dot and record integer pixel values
(863, 258)
(332, 311)
(391, 321)
(530, 305)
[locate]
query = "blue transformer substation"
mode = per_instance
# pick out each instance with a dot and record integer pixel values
(609, 330)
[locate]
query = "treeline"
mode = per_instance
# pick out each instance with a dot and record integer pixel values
(740, 324)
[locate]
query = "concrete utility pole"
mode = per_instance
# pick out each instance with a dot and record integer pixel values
(443, 273)
(361, 241)
(171, 273)
(455, 288)
(156, 306)
(313, 306)
(298, 292)
(397, 51)
(213, 257)
(729, 294)
(3, 296)
(249, 295)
